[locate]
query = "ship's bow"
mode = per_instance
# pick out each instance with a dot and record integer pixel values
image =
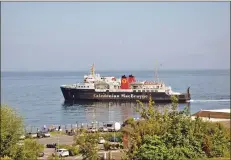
(66, 93)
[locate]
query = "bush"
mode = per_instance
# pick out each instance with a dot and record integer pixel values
(153, 148)
(79, 139)
(113, 146)
(74, 150)
(30, 149)
(117, 145)
(82, 130)
(107, 146)
(56, 157)
(121, 146)
(110, 135)
(6, 158)
(88, 145)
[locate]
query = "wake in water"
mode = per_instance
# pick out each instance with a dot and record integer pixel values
(211, 100)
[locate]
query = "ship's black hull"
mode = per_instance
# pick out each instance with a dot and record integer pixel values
(75, 95)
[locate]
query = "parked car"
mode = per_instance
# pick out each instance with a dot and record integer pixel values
(101, 140)
(103, 129)
(31, 135)
(70, 132)
(61, 152)
(109, 127)
(43, 134)
(114, 139)
(92, 129)
(47, 134)
(114, 126)
(41, 154)
(22, 137)
(51, 145)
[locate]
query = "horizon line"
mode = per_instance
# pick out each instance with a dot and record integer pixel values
(115, 70)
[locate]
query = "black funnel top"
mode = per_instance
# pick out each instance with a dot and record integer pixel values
(131, 76)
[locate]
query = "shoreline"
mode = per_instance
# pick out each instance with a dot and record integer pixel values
(221, 115)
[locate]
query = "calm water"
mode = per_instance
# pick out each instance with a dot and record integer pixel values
(38, 98)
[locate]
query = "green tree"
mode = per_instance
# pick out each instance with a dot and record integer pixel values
(11, 130)
(172, 134)
(29, 150)
(152, 148)
(88, 145)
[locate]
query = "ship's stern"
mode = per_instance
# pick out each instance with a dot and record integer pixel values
(184, 97)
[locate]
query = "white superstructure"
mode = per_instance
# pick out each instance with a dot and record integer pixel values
(113, 84)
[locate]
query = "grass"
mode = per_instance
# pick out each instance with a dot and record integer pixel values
(55, 133)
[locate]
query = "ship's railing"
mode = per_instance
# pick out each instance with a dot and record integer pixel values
(79, 86)
(69, 86)
(174, 93)
(114, 90)
(121, 90)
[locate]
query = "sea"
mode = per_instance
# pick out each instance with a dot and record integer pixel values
(37, 96)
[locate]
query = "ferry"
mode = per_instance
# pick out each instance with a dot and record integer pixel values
(125, 89)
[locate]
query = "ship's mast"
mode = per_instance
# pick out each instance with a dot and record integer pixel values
(156, 74)
(93, 70)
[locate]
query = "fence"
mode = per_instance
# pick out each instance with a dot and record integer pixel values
(64, 127)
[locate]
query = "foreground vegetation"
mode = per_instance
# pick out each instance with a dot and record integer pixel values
(12, 128)
(161, 135)
(164, 135)
(172, 135)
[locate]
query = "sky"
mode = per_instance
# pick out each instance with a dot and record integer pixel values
(71, 36)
